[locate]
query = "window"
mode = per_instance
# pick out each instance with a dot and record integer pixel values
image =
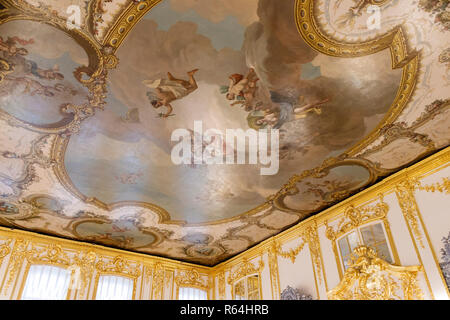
(372, 235)
(114, 288)
(185, 293)
(247, 288)
(45, 282)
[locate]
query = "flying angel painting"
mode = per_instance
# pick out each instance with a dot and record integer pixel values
(168, 90)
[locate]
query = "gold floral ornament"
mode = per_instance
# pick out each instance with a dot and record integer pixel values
(291, 253)
(221, 280)
(5, 249)
(118, 266)
(52, 254)
(355, 217)
(371, 278)
(82, 271)
(158, 282)
(191, 278)
(407, 201)
(244, 269)
(442, 187)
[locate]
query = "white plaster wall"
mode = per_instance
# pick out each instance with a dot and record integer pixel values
(300, 274)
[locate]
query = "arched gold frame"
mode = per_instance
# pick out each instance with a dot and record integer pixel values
(117, 266)
(191, 279)
(377, 213)
(27, 270)
(388, 236)
(118, 274)
(246, 269)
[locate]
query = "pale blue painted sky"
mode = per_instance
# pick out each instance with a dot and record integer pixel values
(228, 33)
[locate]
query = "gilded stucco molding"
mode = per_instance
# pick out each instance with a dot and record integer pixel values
(272, 255)
(291, 253)
(313, 35)
(243, 269)
(5, 249)
(405, 195)
(399, 130)
(126, 21)
(371, 278)
(442, 187)
(221, 285)
(119, 266)
(32, 158)
(192, 279)
(83, 268)
(291, 188)
(158, 282)
(355, 217)
(16, 260)
(312, 238)
(79, 263)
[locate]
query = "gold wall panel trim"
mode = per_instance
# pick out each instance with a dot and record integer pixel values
(99, 250)
(416, 249)
(272, 255)
(413, 217)
(5, 249)
(221, 285)
(405, 194)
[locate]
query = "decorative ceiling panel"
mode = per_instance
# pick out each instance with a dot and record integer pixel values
(87, 113)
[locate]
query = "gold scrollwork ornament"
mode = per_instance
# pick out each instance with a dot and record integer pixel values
(370, 278)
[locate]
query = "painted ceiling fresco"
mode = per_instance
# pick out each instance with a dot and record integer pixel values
(87, 113)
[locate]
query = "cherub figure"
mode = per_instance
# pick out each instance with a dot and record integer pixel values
(10, 49)
(242, 90)
(169, 90)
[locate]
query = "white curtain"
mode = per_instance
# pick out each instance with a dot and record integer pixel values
(114, 288)
(46, 283)
(192, 294)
